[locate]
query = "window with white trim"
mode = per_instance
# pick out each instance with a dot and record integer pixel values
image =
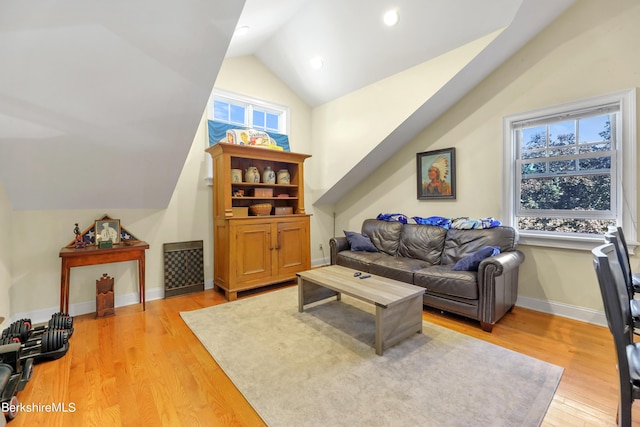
(571, 171)
(247, 112)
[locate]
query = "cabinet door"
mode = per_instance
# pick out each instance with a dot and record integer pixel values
(253, 252)
(293, 247)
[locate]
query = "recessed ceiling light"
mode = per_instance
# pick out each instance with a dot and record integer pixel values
(391, 17)
(317, 62)
(241, 31)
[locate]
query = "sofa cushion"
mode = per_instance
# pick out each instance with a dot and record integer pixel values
(397, 268)
(360, 242)
(423, 242)
(384, 234)
(472, 261)
(443, 280)
(358, 260)
(460, 243)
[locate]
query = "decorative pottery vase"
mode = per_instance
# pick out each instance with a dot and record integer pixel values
(268, 175)
(251, 174)
(236, 175)
(284, 177)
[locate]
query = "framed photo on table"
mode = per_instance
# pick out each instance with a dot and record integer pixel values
(436, 172)
(107, 229)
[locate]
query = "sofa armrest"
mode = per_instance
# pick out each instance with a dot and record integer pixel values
(337, 244)
(498, 286)
(502, 262)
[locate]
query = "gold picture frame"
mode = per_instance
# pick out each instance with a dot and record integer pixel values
(436, 173)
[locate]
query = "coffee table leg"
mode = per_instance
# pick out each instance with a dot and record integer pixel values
(398, 322)
(309, 292)
(300, 294)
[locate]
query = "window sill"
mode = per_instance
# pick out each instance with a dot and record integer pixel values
(584, 243)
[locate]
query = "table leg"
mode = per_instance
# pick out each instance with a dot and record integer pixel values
(309, 292)
(64, 287)
(141, 276)
(398, 322)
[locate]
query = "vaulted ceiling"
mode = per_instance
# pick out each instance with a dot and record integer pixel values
(99, 102)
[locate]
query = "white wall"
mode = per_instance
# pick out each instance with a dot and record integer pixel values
(356, 123)
(5, 257)
(39, 236)
(590, 50)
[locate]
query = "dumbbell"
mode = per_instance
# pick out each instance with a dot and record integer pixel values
(18, 329)
(48, 341)
(23, 328)
(57, 321)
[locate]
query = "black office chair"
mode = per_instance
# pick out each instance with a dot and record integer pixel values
(623, 252)
(623, 262)
(616, 301)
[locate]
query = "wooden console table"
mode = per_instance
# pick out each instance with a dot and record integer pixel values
(91, 255)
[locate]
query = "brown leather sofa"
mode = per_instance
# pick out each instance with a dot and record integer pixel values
(424, 255)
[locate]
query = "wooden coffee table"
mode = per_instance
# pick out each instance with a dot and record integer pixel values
(398, 304)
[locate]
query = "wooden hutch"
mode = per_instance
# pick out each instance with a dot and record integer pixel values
(255, 251)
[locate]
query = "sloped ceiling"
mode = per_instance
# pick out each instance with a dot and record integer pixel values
(99, 102)
(358, 49)
(531, 17)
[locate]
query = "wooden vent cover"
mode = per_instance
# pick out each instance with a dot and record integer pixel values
(183, 268)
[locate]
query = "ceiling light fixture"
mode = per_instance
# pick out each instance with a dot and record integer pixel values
(241, 31)
(391, 17)
(316, 62)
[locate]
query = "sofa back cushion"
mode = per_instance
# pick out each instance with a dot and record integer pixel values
(460, 243)
(423, 242)
(385, 235)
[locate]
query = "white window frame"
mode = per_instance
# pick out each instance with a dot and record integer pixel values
(250, 103)
(625, 179)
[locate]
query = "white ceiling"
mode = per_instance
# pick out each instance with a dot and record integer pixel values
(99, 102)
(358, 49)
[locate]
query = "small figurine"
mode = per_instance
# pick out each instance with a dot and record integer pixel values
(79, 243)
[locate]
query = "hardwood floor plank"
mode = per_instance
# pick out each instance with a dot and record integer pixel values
(147, 368)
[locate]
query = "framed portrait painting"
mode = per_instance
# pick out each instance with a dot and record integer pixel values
(436, 171)
(107, 229)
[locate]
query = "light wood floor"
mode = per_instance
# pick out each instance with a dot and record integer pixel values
(147, 368)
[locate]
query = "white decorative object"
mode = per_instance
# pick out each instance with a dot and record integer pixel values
(268, 175)
(284, 177)
(236, 175)
(252, 174)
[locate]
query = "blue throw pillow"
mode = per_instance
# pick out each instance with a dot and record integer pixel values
(472, 261)
(360, 242)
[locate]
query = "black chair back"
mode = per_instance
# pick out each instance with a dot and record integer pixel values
(622, 254)
(616, 236)
(615, 296)
(617, 310)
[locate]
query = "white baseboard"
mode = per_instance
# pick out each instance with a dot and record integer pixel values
(44, 314)
(319, 262)
(582, 314)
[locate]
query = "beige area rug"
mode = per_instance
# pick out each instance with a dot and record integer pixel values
(318, 368)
